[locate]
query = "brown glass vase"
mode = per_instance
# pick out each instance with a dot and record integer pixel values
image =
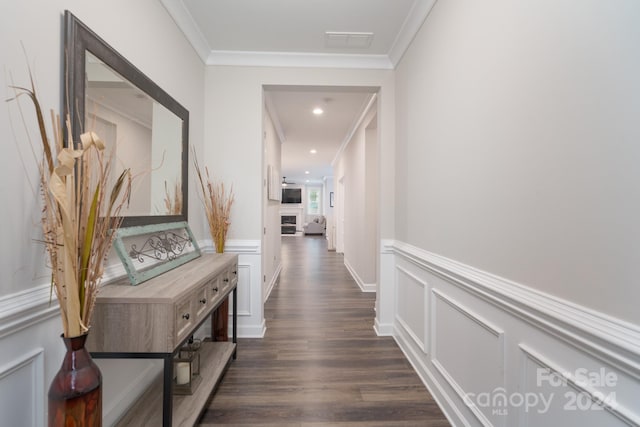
(75, 395)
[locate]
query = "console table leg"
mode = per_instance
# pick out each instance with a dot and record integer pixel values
(235, 320)
(167, 391)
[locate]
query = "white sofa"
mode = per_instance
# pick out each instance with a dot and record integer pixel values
(317, 226)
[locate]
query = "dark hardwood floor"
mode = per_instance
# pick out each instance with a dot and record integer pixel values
(320, 362)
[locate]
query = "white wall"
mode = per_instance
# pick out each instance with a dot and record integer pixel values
(371, 201)
(357, 167)
(516, 244)
(142, 32)
(519, 128)
(271, 261)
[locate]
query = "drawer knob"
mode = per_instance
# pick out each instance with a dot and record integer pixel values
(186, 316)
(235, 272)
(215, 289)
(203, 301)
(226, 279)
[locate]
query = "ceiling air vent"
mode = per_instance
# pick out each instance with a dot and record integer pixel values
(347, 40)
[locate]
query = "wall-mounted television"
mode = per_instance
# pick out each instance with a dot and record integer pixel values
(292, 195)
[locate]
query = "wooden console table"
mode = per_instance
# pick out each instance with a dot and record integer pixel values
(154, 319)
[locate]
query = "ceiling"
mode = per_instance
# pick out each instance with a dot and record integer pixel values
(301, 131)
(368, 34)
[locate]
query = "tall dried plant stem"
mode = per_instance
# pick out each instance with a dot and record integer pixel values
(217, 205)
(78, 215)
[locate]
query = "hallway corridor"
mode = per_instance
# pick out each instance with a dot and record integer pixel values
(320, 362)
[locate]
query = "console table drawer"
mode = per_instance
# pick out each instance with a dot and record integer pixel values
(225, 282)
(185, 317)
(202, 301)
(215, 289)
(229, 277)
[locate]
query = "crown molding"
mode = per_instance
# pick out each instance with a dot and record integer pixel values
(416, 17)
(298, 59)
(183, 19)
(271, 110)
(366, 108)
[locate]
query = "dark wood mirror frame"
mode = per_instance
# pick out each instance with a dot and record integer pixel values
(78, 39)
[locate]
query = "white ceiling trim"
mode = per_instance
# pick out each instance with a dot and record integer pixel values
(416, 17)
(183, 19)
(367, 107)
(298, 59)
(275, 119)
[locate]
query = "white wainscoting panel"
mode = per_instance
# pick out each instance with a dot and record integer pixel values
(244, 298)
(411, 312)
(487, 338)
(473, 362)
(31, 352)
(21, 389)
(572, 397)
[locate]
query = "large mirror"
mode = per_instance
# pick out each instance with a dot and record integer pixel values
(143, 127)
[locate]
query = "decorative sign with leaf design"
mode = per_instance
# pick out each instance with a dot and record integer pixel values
(150, 250)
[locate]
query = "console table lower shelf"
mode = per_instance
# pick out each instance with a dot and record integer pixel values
(147, 410)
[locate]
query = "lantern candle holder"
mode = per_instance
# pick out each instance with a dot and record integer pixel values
(186, 368)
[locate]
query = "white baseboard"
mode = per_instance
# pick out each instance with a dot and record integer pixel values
(272, 282)
(383, 330)
(364, 287)
(245, 331)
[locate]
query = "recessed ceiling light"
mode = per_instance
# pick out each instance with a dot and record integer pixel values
(307, 181)
(306, 172)
(317, 111)
(313, 151)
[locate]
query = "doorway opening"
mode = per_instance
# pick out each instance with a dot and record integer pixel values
(321, 141)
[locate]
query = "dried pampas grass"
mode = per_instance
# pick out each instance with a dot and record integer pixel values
(78, 214)
(217, 205)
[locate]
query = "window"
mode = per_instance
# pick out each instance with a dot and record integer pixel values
(314, 199)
